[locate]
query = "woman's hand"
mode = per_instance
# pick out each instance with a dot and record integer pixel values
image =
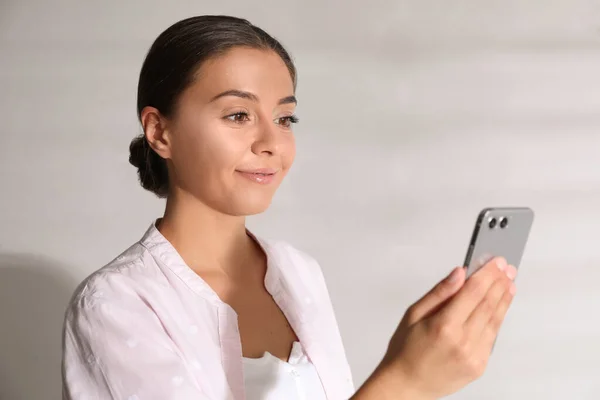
(445, 339)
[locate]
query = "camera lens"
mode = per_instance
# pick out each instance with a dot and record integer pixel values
(503, 222)
(493, 223)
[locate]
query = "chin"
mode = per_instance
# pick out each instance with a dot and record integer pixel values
(249, 206)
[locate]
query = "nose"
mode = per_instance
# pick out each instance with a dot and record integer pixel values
(267, 139)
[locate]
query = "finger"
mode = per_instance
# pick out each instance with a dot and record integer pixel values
(439, 294)
(485, 310)
(474, 290)
(493, 326)
(511, 272)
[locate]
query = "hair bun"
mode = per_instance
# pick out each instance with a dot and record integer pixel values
(152, 168)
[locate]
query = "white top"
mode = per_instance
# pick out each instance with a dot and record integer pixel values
(270, 378)
(147, 327)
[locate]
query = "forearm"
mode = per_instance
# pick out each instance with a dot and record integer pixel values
(388, 384)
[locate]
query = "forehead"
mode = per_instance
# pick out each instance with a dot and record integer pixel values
(261, 72)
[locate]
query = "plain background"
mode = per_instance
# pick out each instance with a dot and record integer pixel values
(414, 116)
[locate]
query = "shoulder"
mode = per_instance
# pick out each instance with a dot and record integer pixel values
(280, 247)
(119, 281)
(294, 260)
(286, 248)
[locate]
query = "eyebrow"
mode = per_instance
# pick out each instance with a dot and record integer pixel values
(251, 96)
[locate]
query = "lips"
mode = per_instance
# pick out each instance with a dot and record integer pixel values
(261, 175)
(261, 171)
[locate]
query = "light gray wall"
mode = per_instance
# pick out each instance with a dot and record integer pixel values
(414, 115)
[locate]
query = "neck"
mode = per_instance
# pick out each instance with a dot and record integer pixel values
(209, 242)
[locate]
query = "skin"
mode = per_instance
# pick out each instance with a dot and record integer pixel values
(444, 340)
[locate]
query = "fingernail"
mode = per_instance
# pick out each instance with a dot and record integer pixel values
(453, 277)
(501, 263)
(511, 272)
(513, 288)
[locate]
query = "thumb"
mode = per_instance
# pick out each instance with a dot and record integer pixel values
(438, 295)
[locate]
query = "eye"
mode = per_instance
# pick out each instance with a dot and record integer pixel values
(238, 117)
(288, 121)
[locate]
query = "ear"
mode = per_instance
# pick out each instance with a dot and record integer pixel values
(156, 132)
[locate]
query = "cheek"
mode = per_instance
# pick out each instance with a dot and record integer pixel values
(208, 151)
(289, 153)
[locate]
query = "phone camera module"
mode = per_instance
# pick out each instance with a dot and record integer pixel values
(503, 222)
(492, 223)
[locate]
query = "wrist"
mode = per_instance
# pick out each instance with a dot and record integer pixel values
(389, 383)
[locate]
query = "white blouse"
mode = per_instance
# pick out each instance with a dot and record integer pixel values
(270, 378)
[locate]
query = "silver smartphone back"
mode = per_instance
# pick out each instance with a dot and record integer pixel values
(501, 231)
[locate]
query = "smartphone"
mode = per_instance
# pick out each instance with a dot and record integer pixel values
(500, 231)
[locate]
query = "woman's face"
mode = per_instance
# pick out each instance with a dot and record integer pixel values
(230, 139)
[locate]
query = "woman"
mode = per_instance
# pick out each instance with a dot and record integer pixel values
(200, 308)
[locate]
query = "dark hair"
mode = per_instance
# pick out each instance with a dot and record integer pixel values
(170, 67)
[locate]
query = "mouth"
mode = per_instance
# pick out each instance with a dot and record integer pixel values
(263, 176)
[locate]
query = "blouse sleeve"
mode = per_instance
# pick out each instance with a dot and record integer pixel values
(121, 351)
